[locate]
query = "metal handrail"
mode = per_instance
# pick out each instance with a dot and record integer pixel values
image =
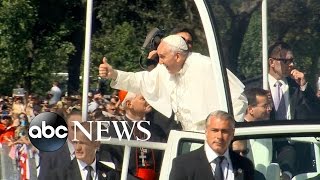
(127, 149)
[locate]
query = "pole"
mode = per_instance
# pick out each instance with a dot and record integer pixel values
(86, 67)
(264, 15)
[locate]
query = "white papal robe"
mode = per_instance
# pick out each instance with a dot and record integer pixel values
(191, 93)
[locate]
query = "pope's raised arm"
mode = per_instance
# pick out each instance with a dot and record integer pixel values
(106, 70)
(183, 82)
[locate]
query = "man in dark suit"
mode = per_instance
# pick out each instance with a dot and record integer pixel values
(214, 160)
(63, 156)
(293, 98)
(85, 166)
(299, 98)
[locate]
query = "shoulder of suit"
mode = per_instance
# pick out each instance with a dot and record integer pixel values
(103, 167)
(240, 159)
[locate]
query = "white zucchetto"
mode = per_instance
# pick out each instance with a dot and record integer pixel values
(176, 41)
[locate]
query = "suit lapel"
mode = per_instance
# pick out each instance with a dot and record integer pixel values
(293, 96)
(74, 170)
(204, 166)
(104, 172)
(237, 171)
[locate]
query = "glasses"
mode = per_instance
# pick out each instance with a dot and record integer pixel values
(244, 152)
(284, 60)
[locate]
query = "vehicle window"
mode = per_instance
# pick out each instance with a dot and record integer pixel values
(299, 156)
(188, 145)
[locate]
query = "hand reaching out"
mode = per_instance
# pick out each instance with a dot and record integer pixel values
(106, 70)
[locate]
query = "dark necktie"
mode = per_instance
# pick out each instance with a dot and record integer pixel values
(89, 169)
(279, 103)
(218, 173)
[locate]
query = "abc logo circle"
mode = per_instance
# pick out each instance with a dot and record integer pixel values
(48, 131)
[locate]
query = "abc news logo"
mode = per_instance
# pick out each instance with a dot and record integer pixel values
(48, 131)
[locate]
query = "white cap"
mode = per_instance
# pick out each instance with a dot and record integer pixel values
(176, 41)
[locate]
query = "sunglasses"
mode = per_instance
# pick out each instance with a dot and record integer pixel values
(284, 60)
(244, 151)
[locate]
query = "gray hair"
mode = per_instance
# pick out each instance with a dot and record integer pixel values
(221, 115)
(128, 97)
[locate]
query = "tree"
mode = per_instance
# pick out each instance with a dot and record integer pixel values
(36, 34)
(295, 22)
(233, 19)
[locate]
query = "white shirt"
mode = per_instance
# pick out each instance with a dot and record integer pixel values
(71, 149)
(93, 105)
(226, 164)
(191, 94)
(56, 95)
(285, 91)
(82, 165)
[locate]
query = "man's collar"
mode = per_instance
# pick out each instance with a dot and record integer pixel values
(272, 80)
(211, 155)
(82, 165)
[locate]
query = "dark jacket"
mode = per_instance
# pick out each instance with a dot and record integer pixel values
(72, 172)
(195, 166)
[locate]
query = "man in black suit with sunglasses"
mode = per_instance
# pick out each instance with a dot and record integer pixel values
(293, 98)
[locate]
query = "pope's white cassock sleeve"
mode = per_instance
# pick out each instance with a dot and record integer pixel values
(200, 90)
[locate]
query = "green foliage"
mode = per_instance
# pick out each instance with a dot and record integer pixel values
(250, 58)
(295, 22)
(120, 47)
(36, 36)
(29, 50)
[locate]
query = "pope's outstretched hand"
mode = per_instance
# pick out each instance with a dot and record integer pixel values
(106, 70)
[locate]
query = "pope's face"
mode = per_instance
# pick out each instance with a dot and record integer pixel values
(171, 60)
